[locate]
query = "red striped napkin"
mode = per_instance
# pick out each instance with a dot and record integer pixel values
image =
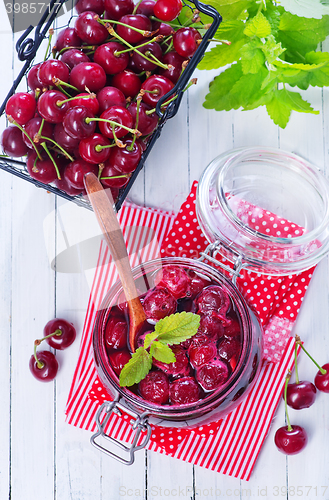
(231, 445)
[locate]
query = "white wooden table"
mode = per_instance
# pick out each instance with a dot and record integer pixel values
(43, 458)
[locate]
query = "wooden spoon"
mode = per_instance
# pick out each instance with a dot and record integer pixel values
(102, 203)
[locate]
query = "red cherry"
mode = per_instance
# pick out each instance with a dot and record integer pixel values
(158, 303)
(186, 41)
(175, 63)
(73, 57)
(146, 7)
(119, 359)
(321, 381)
(51, 70)
(110, 171)
(89, 29)
(89, 101)
(64, 185)
(184, 390)
(291, 441)
(21, 107)
(115, 335)
(233, 329)
(199, 355)
(125, 160)
(177, 368)
(142, 64)
(301, 395)
(213, 298)
(62, 340)
(117, 114)
(41, 170)
(155, 387)
(67, 38)
(213, 375)
(229, 348)
(75, 172)
(167, 10)
(32, 129)
(75, 125)
(146, 123)
(33, 79)
(127, 82)
(88, 74)
(12, 142)
(212, 327)
(93, 5)
(175, 279)
(49, 368)
(110, 96)
(136, 21)
(88, 149)
(115, 9)
(106, 56)
(64, 140)
(49, 106)
(159, 86)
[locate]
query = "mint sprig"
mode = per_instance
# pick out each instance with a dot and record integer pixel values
(270, 53)
(170, 330)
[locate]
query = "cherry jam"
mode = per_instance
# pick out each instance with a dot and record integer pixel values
(204, 363)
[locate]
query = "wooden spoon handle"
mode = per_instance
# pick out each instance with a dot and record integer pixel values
(102, 203)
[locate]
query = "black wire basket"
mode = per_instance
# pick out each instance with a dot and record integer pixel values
(27, 48)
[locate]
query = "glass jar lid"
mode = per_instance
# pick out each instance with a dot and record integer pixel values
(267, 207)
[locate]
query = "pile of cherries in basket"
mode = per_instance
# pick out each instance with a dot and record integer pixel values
(204, 362)
(91, 107)
(292, 439)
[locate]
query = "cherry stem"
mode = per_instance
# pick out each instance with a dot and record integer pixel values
(299, 342)
(155, 39)
(57, 82)
(41, 127)
(115, 177)
(59, 87)
(116, 140)
(296, 368)
(27, 135)
(113, 33)
(90, 96)
(91, 47)
(192, 82)
(37, 342)
(136, 6)
(142, 32)
(60, 147)
(51, 32)
(285, 400)
(113, 123)
(100, 147)
(44, 145)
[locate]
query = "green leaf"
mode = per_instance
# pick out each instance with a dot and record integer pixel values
(248, 88)
(300, 34)
(162, 352)
(149, 338)
(136, 369)
(283, 102)
(271, 49)
(177, 328)
(307, 8)
(220, 97)
(232, 31)
(258, 26)
(252, 57)
(221, 55)
(231, 9)
(315, 71)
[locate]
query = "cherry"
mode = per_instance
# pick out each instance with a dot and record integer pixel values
(117, 114)
(147, 123)
(32, 128)
(115, 335)
(142, 64)
(162, 28)
(127, 82)
(75, 172)
(65, 333)
(167, 10)
(73, 57)
(186, 41)
(233, 329)
(12, 141)
(321, 380)
(107, 57)
(155, 387)
(138, 21)
(52, 69)
(301, 395)
(156, 86)
(32, 78)
(159, 303)
(88, 148)
(213, 375)
(115, 9)
(175, 63)
(213, 298)
(177, 368)
(89, 29)
(110, 96)
(197, 282)
(65, 186)
(64, 140)
(175, 279)
(184, 390)
(75, 124)
(126, 159)
(49, 106)
(291, 440)
(67, 38)
(45, 369)
(212, 327)
(21, 107)
(146, 7)
(229, 348)
(41, 170)
(93, 5)
(88, 101)
(88, 74)
(119, 359)
(110, 171)
(199, 355)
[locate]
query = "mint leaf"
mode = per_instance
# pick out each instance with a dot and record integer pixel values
(149, 338)
(220, 97)
(252, 57)
(231, 9)
(248, 88)
(136, 369)
(271, 49)
(300, 34)
(221, 55)
(283, 102)
(177, 328)
(258, 26)
(162, 352)
(232, 31)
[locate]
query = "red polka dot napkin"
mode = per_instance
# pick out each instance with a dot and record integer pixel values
(231, 445)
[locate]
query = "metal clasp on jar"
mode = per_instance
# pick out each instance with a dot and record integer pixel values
(139, 424)
(210, 253)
